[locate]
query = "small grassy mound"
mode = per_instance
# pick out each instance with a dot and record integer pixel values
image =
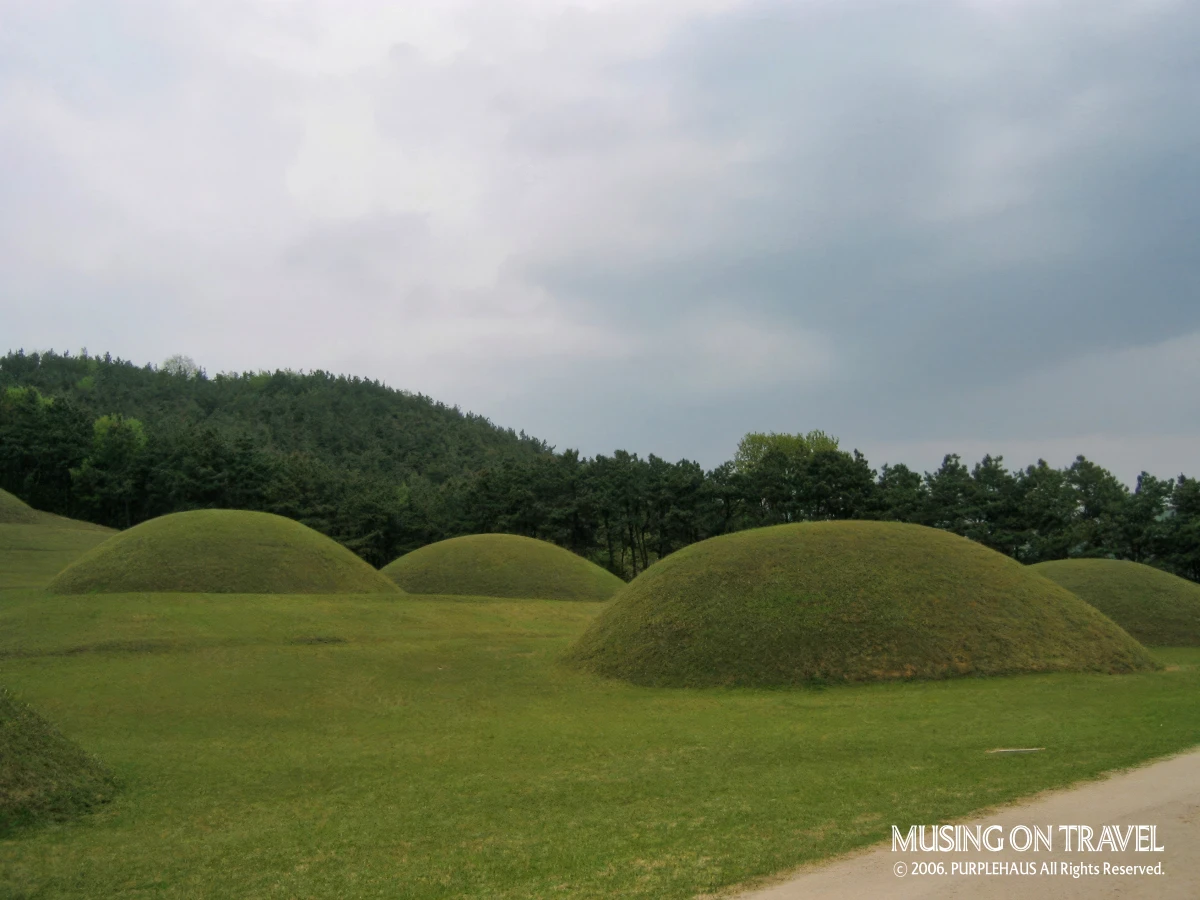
(43, 776)
(1156, 607)
(845, 601)
(220, 551)
(502, 565)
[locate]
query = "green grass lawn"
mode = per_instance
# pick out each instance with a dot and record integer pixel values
(440, 750)
(30, 555)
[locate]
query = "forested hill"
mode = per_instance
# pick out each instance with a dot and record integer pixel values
(385, 472)
(109, 441)
(346, 422)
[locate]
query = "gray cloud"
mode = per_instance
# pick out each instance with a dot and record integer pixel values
(1039, 209)
(656, 228)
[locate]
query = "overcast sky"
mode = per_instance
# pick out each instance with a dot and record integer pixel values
(925, 227)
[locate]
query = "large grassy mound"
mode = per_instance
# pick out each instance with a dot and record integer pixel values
(219, 551)
(1156, 607)
(502, 565)
(845, 601)
(43, 776)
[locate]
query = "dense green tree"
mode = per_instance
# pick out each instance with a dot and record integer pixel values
(900, 494)
(41, 441)
(385, 472)
(950, 497)
(1046, 506)
(834, 484)
(1100, 502)
(996, 507)
(723, 499)
(111, 479)
(1141, 524)
(1181, 537)
(794, 447)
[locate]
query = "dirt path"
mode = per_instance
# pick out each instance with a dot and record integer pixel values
(1165, 794)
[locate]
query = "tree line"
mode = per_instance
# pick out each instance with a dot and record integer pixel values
(384, 472)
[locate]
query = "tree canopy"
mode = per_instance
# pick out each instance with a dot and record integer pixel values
(384, 472)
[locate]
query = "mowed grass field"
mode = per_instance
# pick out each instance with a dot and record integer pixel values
(30, 555)
(391, 746)
(35, 546)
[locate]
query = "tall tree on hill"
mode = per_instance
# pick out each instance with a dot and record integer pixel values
(900, 494)
(833, 484)
(688, 516)
(111, 478)
(1141, 523)
(1046, 507)
(997, 507)
(1100, 501)
(774, 468)
(41, 440)
(567, 503)
(724, 499)
(794, 447)
(950, 501)
(1181, 540)
(183, 366)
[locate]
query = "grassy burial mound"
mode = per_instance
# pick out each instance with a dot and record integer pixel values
(15, 511)
(845, 601)
(44, 776)
(220, 551)
(1156, 607)
(30, 555)
(502, 565)
(35, 546)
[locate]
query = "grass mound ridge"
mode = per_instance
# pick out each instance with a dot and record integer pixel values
(1156, 607)
(220, 551)
(15, 511)
(30, 555)
(845, 601)
(43, 775)
(502, 565)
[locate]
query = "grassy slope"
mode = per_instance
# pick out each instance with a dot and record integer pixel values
(14, 511)
(35, 546)
(1156, 607)
(502, 565)
(31, 555)
(845, 601)
(439, 752)
(43, 776)
(220, 551)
